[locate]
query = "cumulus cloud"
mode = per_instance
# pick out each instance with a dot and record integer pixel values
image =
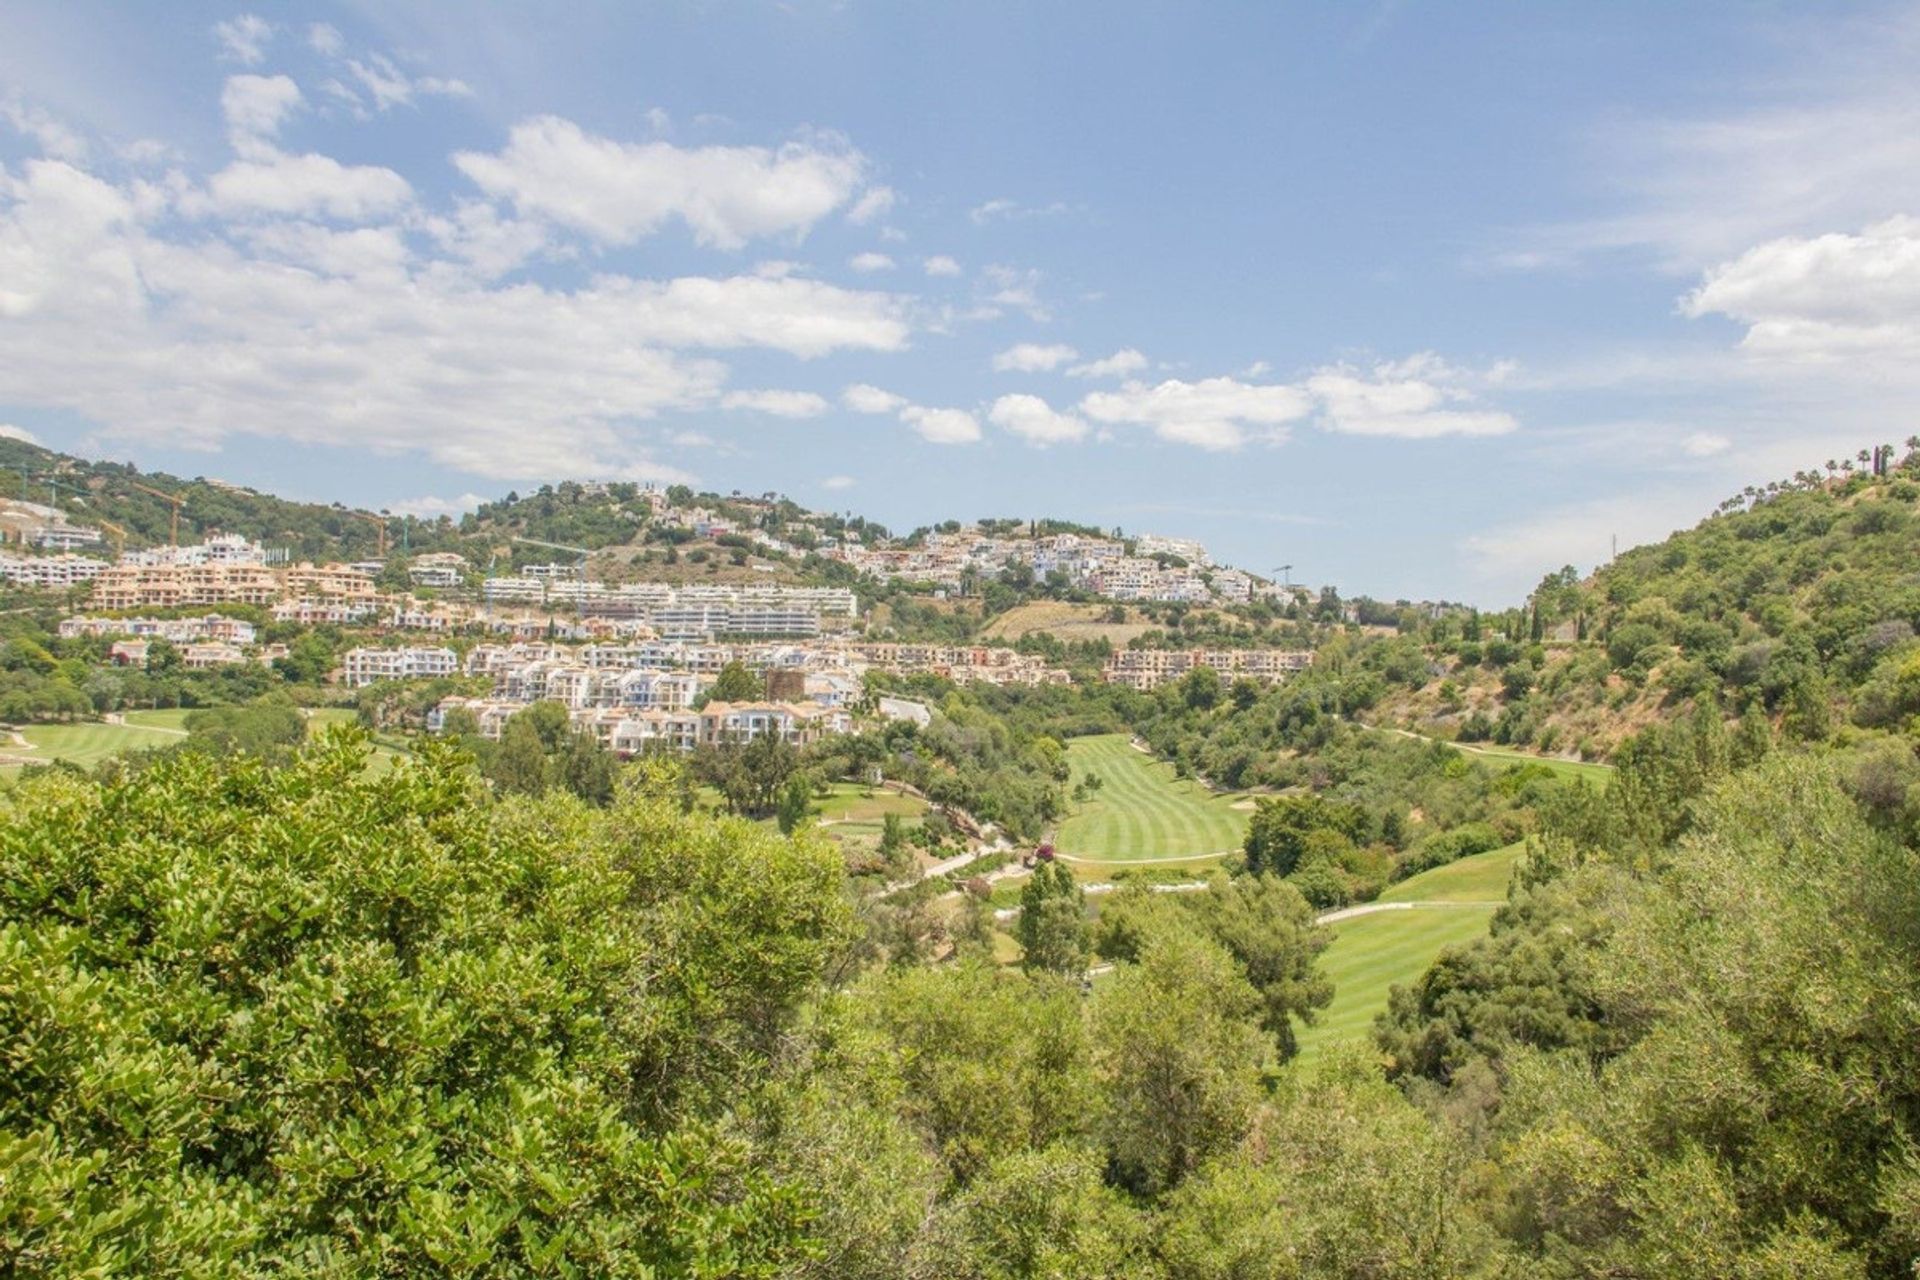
(1419, 398)
(836, 483)
(779, 404)
(383, 337)
(1036, 421)
(1032, 357)
(1704, 444)
(1118, 365)
(1216, 414)
(942, 426)
(273, 183)
(619, 192)
(254, 107)
(1825, 297)
(941, 265)
(866, 263)
(862, 398)
(243, 39)
(10, 432)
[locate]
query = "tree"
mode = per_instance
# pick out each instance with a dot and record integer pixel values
(793, 804)
(736, 683)
(1278, 835)
(519, 764)
(385, 1025)
(1178, 1053)
(1053, 922)
(1200, 688)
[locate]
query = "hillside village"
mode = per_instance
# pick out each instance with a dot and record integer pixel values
(614, 629)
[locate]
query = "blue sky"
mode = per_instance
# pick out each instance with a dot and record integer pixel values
(1420, 300)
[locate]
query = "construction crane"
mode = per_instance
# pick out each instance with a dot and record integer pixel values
(119, 534)
(1286, 574)
(54, 484)
(173, 536)
(380, 523)
(555, 546)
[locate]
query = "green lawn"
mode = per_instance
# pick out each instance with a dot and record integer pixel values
(163, 718)
(1481, 878)
(1142, 810)
(1574, 770)
(1371, 954)
(85, 744)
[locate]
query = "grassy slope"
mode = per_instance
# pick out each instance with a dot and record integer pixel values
(85, 744)
(1373, 953)
(1142, 810)
(1481, 878)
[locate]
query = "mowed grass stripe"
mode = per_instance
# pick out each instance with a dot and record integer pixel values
(1142, 810)
(1370, 955)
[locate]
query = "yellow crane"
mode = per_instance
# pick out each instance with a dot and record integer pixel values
(380, 523)
(119, 534)
(164, 496)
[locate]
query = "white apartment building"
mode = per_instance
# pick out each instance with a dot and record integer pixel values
(437, 569)
(50, 572)
(213, 627)
(63, 537)
(364, 666)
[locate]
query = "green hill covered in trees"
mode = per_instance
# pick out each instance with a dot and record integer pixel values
(1798, 601)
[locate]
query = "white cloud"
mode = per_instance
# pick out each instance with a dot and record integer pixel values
(1118, 365)
(1032, 357)
(243, 39)
(1011, 210)
(1214, 414)
(390, 87)
(1017, 288)
(1704, 444)
(255, 107)
(942, 426)
(873, 203)
(1514, 555)
(837, 483)
(1828, 138)
(862, 398)
(10, 432)
(325, 39)
(363, 338)
(1836, 296)
(57, 139)
(1420, 398)
(941, 265)
(870, 262)
(1035, 421)
(780, 404)
(431, 507)
(620, 192)
(305, 184)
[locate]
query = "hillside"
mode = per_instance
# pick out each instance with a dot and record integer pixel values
(1797, 601)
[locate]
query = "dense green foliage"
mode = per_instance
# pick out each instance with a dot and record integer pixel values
(301, 1020)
